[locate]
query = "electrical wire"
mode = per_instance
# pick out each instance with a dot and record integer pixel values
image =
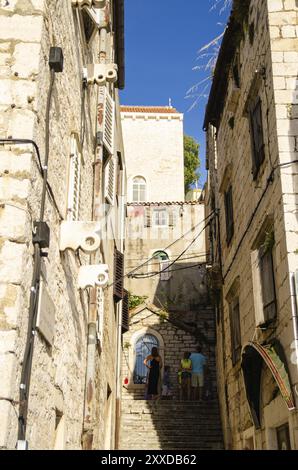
(39, 165)
(198, 255)
(145, 275)
(164, 249)
(201, 255)
(148, 275)
(34, 294)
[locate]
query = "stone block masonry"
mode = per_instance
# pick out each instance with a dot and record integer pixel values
(28, 28)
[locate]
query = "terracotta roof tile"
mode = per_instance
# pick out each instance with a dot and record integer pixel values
(149, 109)
(192, 203)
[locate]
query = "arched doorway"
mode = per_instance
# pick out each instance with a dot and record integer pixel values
(142, 341)
(143, 348)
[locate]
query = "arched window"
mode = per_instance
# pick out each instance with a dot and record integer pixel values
(163, 261)
(161, 256)
(143, 348)
(139, 189)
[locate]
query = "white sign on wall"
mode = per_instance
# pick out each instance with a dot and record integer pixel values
(46, 313)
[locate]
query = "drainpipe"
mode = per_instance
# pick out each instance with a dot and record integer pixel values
(294, 302)
(89, 408)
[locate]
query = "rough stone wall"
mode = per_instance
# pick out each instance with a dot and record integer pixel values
(185, 287)
(234, 158)
(153, 146)
(27, 30)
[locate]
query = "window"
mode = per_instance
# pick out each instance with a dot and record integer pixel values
(139, 189)
(267, 282)
(164, 262)
(74, 180)
(283, 437)
(257, 136)
(161, 256)
(235, 330)
(229, 214)
(263, 280)
(160, 217)
(88, 24)
(143, 348)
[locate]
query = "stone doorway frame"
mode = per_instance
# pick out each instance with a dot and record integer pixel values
(131, 357)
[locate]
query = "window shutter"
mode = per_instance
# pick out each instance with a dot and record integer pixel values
(268, 286)
(229, 214)
(110, 180)
(108, 122)
(73, 204)
(147, 217)
(235, 330)
(125, 312)
(118, 275)
(257, 137)
(172, 217)
(165, 275)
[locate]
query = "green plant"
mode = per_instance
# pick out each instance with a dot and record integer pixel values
(191, 162)
(163, 316)
(135, 300)
(269, 241)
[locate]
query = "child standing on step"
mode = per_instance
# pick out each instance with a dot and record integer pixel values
(184, 376)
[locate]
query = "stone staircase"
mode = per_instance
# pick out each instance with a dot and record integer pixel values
(170, 425)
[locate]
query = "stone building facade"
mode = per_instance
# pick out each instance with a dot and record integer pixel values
(153, 139)
(68, 383)
(251, 124)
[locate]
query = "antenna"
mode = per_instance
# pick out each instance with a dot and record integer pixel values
(170, 102)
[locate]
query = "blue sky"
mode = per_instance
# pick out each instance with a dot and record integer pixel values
(162, 39)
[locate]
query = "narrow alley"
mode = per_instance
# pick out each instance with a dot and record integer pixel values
(148, 226)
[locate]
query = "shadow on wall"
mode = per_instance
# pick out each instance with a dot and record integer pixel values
(185, 289)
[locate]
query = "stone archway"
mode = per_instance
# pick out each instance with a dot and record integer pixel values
(137, 335)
